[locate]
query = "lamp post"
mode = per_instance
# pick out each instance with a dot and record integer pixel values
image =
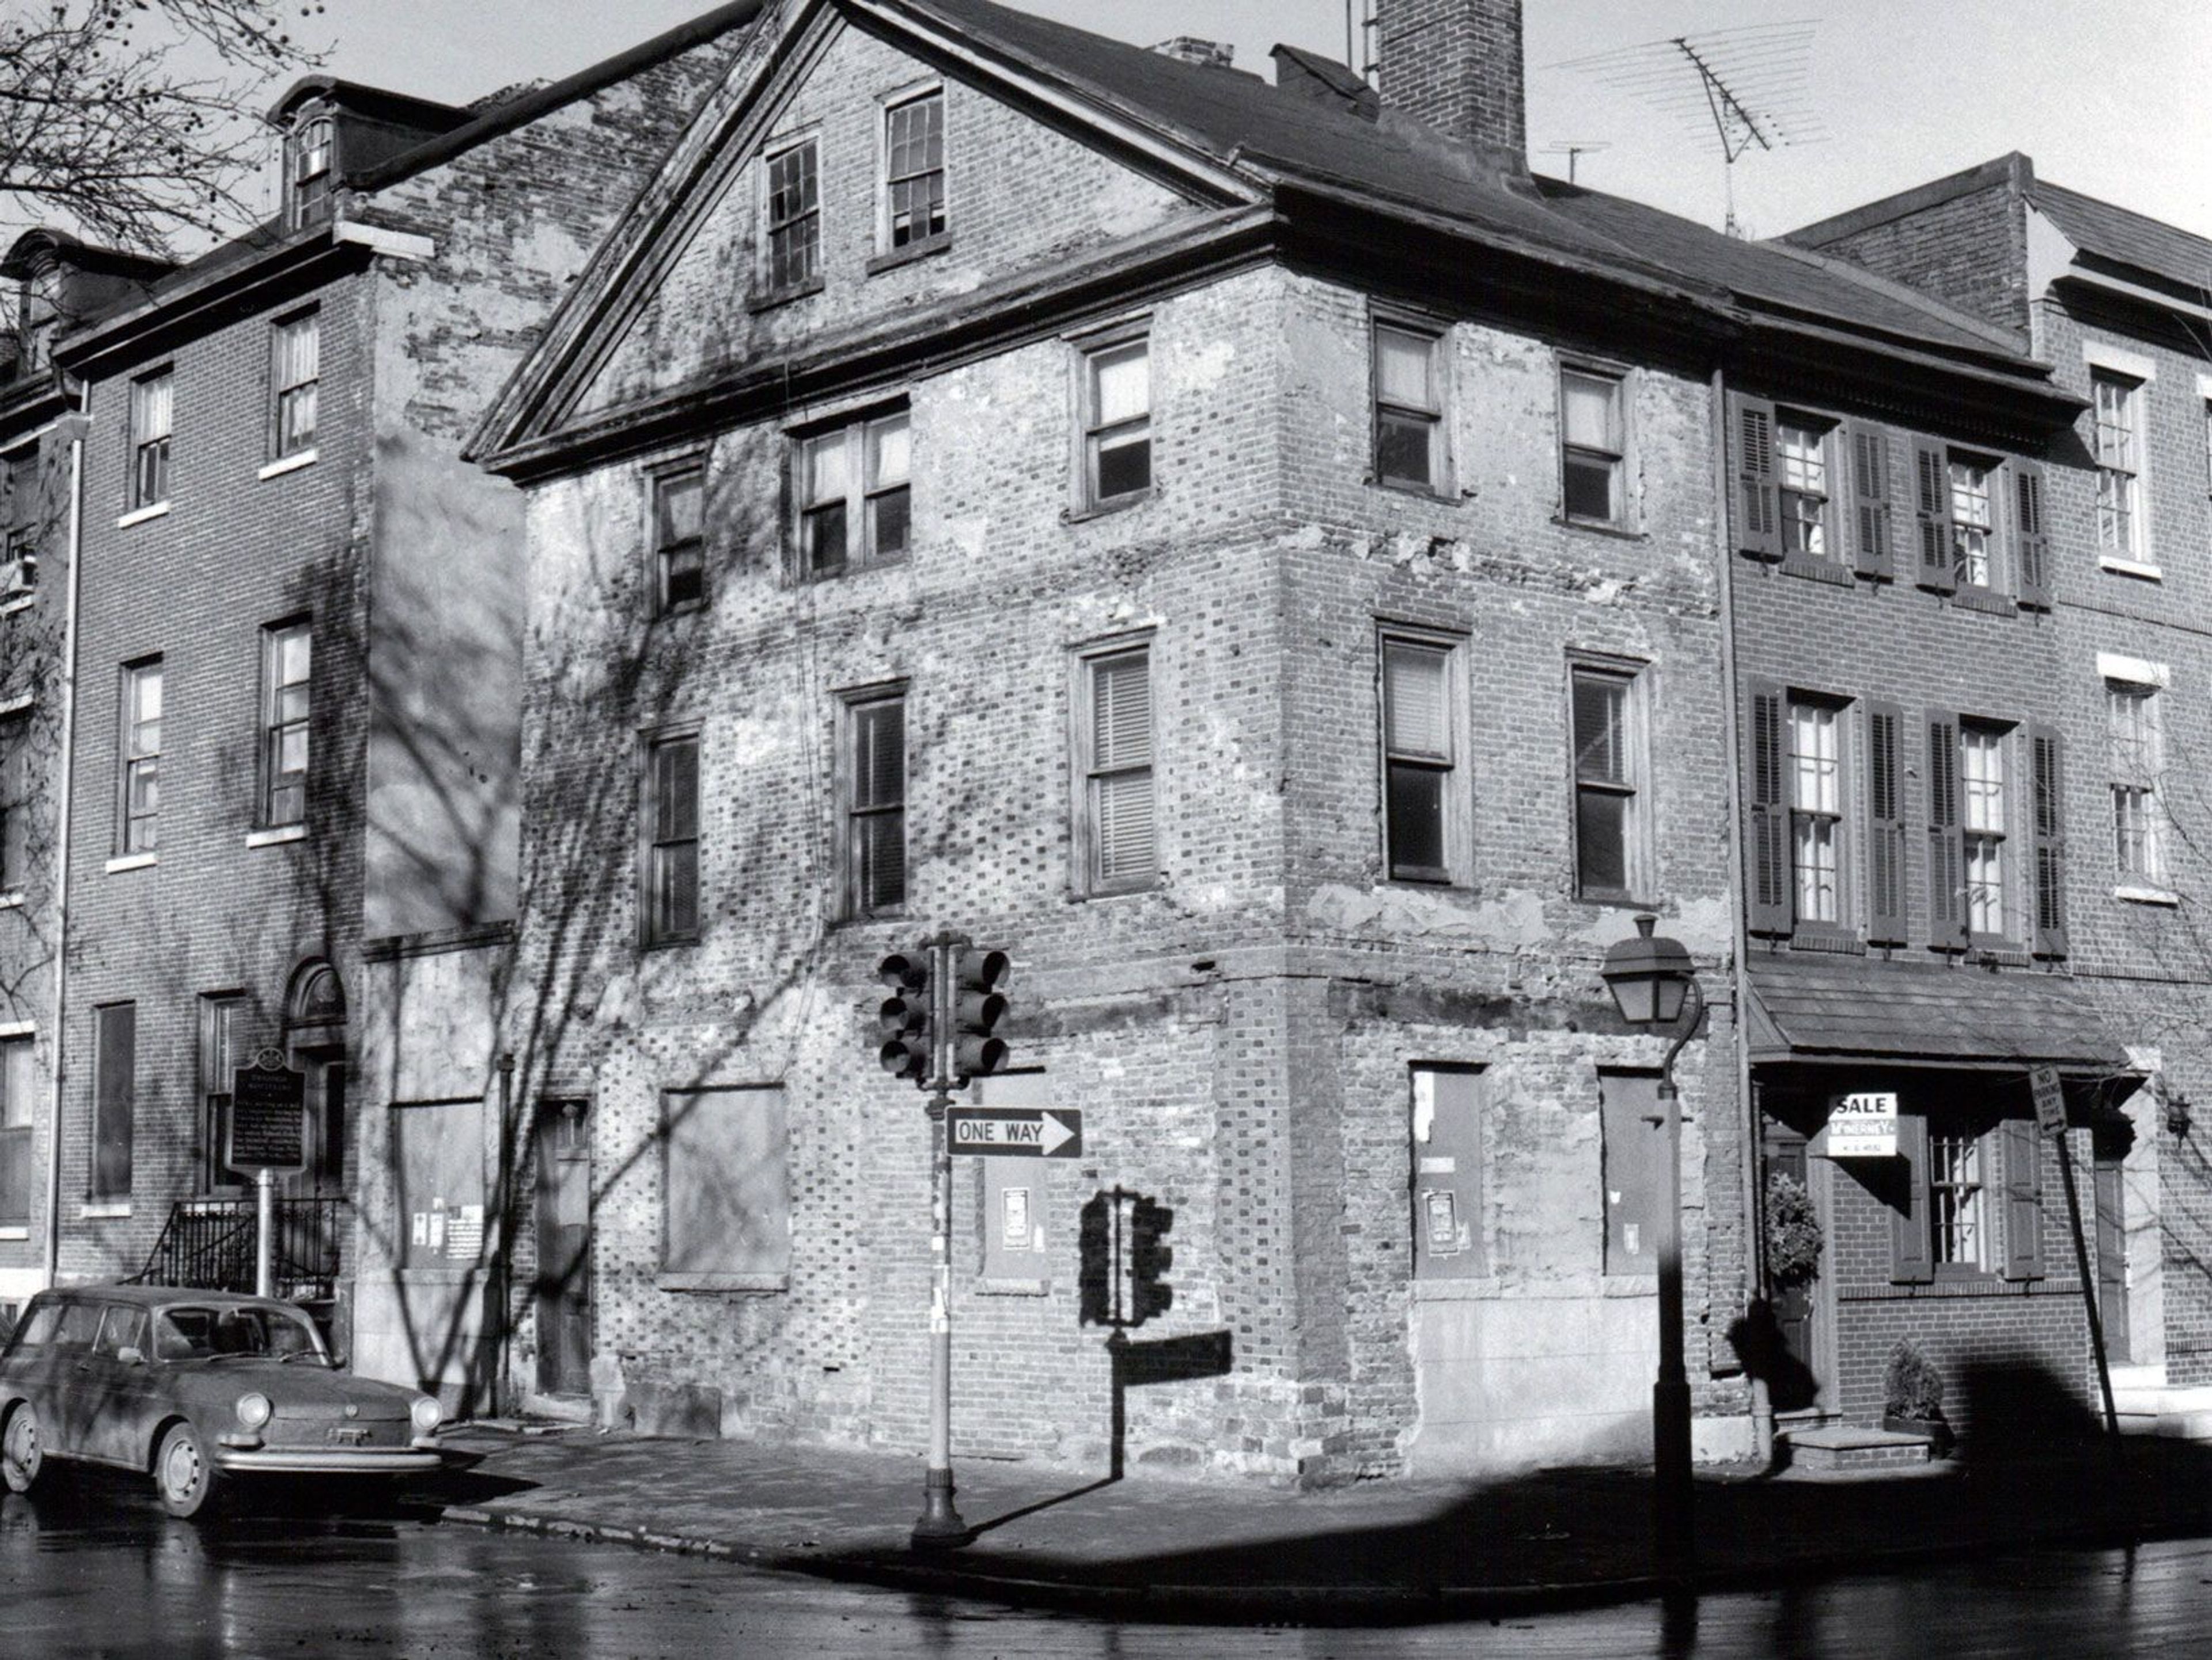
(1651, 979)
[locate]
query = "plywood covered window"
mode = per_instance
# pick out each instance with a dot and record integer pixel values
(726, 1176)
(438, 1146)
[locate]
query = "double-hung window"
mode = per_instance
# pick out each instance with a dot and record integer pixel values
(1816, 811)
(795, 217)
(286, 652)
(679, 537)
(1973, 521)
(1117, 841)
(2134, 720)
(309, 194)
(1984, 814)
(295, 370)
(1610, 853)
(671, 903)
(1117, 422)
(114, 1099)
(914, 171)
(874, 855)
(854, 495)
(1409, 406)
(2118, 402)
(152, 407)
(1593, 448)
(1957, 1222)
(141, 749)
(1801, 454)
(1423, 739)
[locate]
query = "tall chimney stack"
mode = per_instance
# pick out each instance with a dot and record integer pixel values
(1456, 65)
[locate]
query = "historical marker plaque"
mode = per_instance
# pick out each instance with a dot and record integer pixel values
(267, 1117)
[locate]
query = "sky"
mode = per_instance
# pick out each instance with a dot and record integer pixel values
(2106, 95)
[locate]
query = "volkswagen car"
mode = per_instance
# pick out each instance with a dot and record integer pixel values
(194, 1388)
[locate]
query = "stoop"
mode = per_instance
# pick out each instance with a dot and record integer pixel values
(1846, 1449)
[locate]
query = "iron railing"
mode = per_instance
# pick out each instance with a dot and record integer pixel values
(209, 1245)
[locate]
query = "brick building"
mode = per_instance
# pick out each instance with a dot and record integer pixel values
(278, 623)
(2117, 304)
(993, 479)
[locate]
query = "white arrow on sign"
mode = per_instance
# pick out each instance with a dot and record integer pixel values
(1018, 1132)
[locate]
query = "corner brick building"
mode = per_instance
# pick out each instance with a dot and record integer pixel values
(274, 636)
(993, 480)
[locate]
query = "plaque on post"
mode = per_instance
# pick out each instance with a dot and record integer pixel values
(267, 1117)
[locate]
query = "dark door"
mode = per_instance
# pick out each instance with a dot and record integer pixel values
(2111, 1250)
(564, 1250)
(1792, 1380)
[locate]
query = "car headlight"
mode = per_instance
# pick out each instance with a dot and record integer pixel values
(254, 1410)
(427, 1413)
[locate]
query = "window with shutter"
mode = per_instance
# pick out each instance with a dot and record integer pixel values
(1118, 841)
(671, 901)
(873, 858)
(1985, 818)
(1910, 1259)
(1759, 529)
(1946, 855)
(1803, 475)
(1420, 759)
(1886, 906)
(1870, 521)
(1767, 823)
(1931, 499)
(2048, 787)
(114, 1099)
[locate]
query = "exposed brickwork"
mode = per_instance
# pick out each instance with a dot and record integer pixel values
(1456, 65)
(1970, 248)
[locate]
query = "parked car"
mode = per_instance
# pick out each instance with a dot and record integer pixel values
(193, 1388)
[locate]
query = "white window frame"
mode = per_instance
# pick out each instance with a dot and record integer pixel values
(1091, 774)
(281, 719)
(1434, 415)
(139, 743)
(2117, 414)
(151, 438)
(1613, 455)
(1635, 785)
(1456, 805)
(1976, 500)
(1806, 486)
(865, 492)
(1988, 799)
(1820, 796)
(291, 390)
(1095, 435)
(2134, 699)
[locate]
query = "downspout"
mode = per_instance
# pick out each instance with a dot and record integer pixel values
(1754, 1252)
(78, 422)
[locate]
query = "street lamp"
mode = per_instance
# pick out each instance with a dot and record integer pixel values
(1650, 979)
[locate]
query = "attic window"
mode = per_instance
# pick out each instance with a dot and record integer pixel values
(914, 171)
(309, 195)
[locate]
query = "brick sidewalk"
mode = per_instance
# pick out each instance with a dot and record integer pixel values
(1387, 1551)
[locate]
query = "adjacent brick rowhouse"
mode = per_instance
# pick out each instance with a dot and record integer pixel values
(2097, 288)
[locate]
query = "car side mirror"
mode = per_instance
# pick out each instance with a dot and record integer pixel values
(129, 1356)
(338, 1361)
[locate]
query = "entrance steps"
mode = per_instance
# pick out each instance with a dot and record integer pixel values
(1839, 1449)
(2147, 1405)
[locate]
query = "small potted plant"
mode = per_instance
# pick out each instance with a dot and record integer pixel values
(1912, 1395)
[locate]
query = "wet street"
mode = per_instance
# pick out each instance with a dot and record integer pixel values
(92, 1568)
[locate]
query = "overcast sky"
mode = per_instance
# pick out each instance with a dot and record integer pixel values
(2108, 96)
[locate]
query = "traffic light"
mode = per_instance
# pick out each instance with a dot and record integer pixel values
(976, 1007)
(1150, 1259)
(904, 1018)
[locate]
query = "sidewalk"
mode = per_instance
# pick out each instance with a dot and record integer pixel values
(1382, 1553)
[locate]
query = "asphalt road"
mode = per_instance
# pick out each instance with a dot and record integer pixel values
(92, 1567)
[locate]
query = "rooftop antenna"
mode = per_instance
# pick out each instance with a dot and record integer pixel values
(1571, 147)
(1359, 39)
(1750, 86)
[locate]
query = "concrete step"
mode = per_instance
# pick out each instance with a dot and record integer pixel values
(1846, 1447)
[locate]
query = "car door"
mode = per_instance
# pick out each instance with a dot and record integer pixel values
(32, 1361)
(73, 1390)
(121, 1389)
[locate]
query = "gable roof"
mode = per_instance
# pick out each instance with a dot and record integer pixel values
(1271, 143)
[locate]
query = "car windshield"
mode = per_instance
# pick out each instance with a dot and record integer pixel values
(193, 1333)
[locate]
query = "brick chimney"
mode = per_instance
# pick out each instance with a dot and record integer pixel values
(1456, 65)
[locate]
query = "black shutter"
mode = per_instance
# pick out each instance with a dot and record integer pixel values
(1911, 1259)
(1767, 823)
(115, 1090)
(2049, 786)
(1946, 840)
(1886, 906)
(1869, 499)
(1931, 496)
(2022, 1160)
(2030, 542)
(1759, 501)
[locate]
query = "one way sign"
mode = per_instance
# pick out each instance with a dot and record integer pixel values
(1016, 1132)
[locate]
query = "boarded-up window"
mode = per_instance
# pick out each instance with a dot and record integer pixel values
(726, 1170)
(19, 1087)
(1447, 1145)
(440, 1149)
(1635, 1171)
(114, 1099)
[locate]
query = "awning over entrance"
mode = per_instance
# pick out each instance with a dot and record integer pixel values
(1815, 1008)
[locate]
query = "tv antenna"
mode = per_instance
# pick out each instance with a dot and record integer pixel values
(1571, 147)
(1748, 86)
(1360, 36)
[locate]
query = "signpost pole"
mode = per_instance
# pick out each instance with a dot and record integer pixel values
(264, 1250)
(2050, 1114)
(940, 1523)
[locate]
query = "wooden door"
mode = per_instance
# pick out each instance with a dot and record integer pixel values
(564, 1250)
(2112, 1252)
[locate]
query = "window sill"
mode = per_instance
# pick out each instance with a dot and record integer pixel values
(1128, 890)
(276, 835)
(1421, 492)
(849, 568)
(1821, 570)
(912, 251)
(104, 1210)
(12, 1234)
(20, 704)
(673, 943)
(12, 900)
(1984, 599)
(2137, 893)
(283, 464)
(672, 613)
(2124, 566)
(1835, 942)
(1013, 1287)
(751, 1282)
(1616, 901)
(1107, 509)
(141, 515)
(20, 602)
(1602, 527)
(775, 297)
(133, 861)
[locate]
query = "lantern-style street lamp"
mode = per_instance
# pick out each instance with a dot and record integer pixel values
(1651, 979)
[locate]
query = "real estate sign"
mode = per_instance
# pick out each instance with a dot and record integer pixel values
(1863, 1126)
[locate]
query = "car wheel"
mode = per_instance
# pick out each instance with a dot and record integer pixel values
(22, 1455)
(182, 1474)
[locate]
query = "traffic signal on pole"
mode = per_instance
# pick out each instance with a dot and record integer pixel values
(978, 1006)
(904, 1018)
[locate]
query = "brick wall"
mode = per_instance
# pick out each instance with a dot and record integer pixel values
(1969, 248)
